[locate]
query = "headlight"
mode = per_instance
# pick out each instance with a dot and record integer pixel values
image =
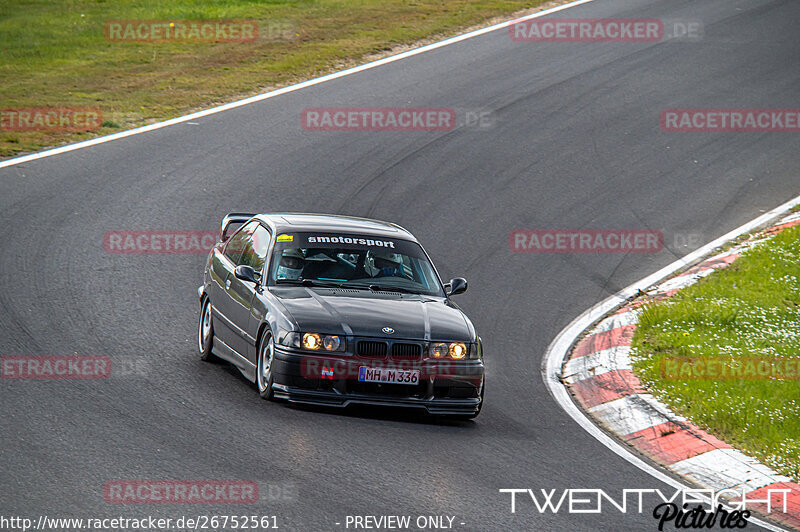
(312, 341)
(319, 342)
(458, 351)
(454, 350)
(438, 350)
(331, 343)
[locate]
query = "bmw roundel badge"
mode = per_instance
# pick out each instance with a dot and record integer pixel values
(388, 330)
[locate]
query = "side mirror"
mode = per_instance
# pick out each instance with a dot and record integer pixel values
(245, 273)
(457, 285)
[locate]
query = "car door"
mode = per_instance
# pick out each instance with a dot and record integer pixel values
(223, 264)
(241, 293)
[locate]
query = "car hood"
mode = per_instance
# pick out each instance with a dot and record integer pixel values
(363, 313)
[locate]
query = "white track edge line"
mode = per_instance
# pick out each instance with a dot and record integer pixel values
(559, 348)
(283, 90)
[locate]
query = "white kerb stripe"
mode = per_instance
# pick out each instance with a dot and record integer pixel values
(727, 468)
(627, 415)
(580, 368)
(630, 317)
(682, 281)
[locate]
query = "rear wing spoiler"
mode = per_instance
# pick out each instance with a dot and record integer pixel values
(232, 222)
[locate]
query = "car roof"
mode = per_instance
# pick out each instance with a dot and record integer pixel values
(333, 223)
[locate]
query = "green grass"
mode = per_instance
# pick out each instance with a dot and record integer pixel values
(749, 309)
(56, 54)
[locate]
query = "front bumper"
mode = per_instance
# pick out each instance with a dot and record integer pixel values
(444, 387)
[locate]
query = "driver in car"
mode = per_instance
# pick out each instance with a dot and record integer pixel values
(291, 265)
(387, 264)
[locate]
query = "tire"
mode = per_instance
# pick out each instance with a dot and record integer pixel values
(266, 353)
(205, 332)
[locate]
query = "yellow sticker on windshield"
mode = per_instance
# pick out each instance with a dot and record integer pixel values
(285, 238)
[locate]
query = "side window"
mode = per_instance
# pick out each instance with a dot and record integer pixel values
(237, 242)
(255, 250)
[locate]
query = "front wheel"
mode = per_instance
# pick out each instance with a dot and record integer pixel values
(205, 332)
(266, 352)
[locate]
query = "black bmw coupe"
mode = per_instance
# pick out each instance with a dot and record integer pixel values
(335, 310)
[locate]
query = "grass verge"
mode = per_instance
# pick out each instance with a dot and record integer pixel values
(740, 317)
(55, 54)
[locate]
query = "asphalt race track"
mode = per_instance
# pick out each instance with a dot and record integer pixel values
(574, 143)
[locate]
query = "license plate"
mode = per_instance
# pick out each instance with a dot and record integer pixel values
(389, 376)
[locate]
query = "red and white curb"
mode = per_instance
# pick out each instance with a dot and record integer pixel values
(600, 377)
(591, 360)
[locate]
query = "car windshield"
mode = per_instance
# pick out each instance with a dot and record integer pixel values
(353, 261)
